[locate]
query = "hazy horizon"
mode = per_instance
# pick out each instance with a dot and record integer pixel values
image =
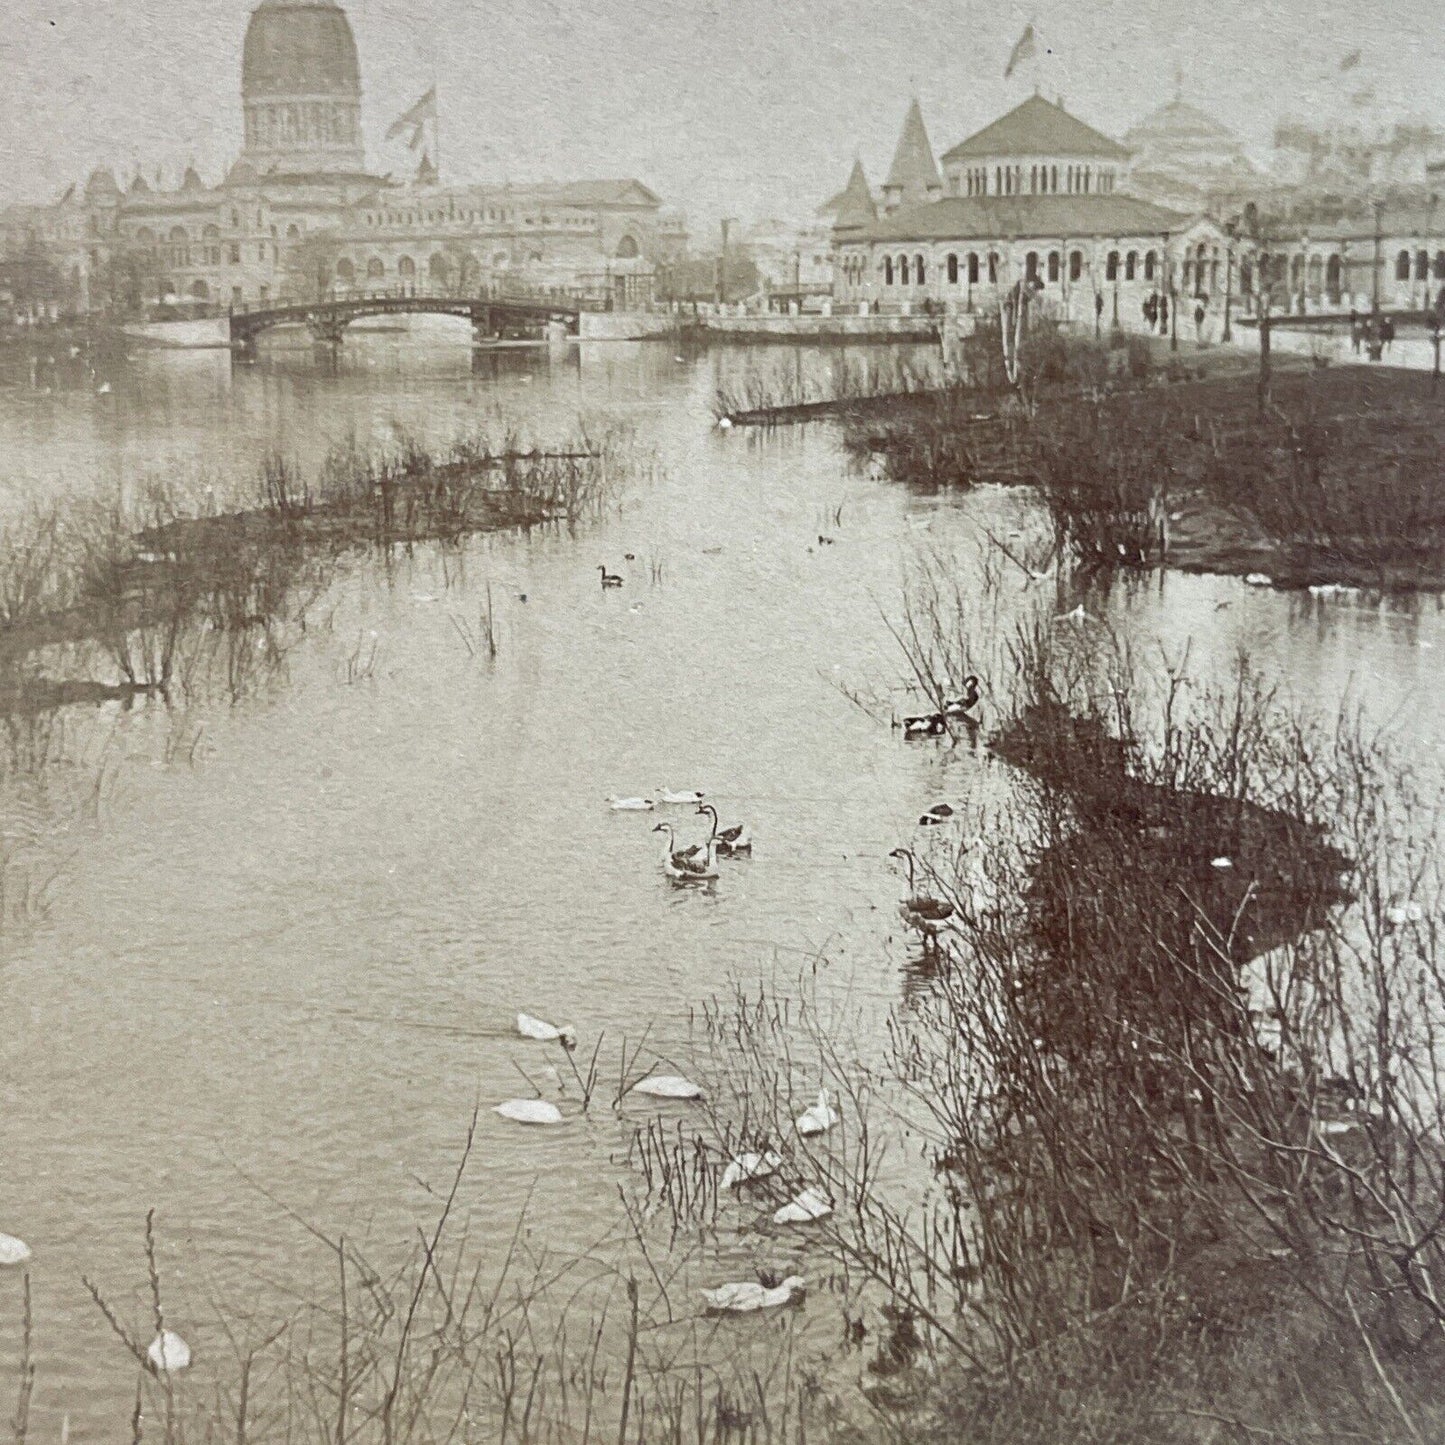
(736, 111)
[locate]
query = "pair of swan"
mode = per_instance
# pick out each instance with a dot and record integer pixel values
(959, 708)
(538, 1111)
(743, 1168)
(696, 864)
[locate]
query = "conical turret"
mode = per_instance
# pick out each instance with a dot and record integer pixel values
(913, 177)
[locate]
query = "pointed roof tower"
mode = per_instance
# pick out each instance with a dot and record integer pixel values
(913, 177)
(426, 172)
(853, 206)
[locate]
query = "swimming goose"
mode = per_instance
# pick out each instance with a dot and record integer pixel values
(920, 911)
(169, 1354)
(811, 1204)
(543, 1032)
(966, 701)
(686, 795)
(529, 1111)
(926, 725)
(746, 1167)
(684, 864)
(818, 1119)
(737, 839)
(629, 805)
(748, 1295)
(609, 579)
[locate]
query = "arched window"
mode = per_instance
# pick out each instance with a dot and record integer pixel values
(1071, 180)
(1148, 265)
(293, 232)
(1402, 266)
(1246, 277)
(1188, 275)
(145, 237)
(627, 249)
(1332, 278)
(200, 291)
(1053, 266)
(1296, 271)
(902, 265)
(888, 270)
(1111, 267)
(1053, 178)
(211, 233)
(1033, 180)
(1422, 265)
(1031, 266)
(406, 267)
(973, 268)
(1314, 274)
(919, 275)
(440, 268)
(1131, 265)
(952, 270)
(178, 236)
(375, 269)
(345, 271)
(993, 268)
(1076, 265)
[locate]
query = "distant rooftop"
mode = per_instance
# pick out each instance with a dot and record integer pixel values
(1000, 218)
(1038, 127)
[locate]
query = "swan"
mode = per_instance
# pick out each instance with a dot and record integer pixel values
(818, 1119)
(966, 701)
(686, 795)
(630, 805)
(804, 1209)
(926, 725)
(169, 1354)
(609, 579)
(103, 389)
(737, 839)
(540, 1029)
(683, 864)
(920, 911)
(12, 1251)
(746, 1167)
(724, 423)
(1077, 615)
(529, 1111)
(667, 1086)
(1397, 915)
(747, 1295)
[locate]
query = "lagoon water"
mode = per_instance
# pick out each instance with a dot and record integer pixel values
(281, 945)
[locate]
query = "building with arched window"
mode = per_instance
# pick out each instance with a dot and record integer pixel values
(299, 211)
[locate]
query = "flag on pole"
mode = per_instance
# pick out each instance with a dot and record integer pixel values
(1350, 61)
(1025, 48)
(413, 120)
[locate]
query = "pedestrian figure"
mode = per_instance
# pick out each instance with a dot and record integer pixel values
(1199, 319)
(1356, 331)
(1163, 316)
(1387, 332)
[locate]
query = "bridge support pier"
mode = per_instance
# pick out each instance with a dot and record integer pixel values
(484, 330)
(327, 330)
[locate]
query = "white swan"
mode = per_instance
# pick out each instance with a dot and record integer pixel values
(820, 1118)
(748, 1295)
(529, 1111)
(169, 1354)
(687, 795)
(684, 864)
(540, 1029)
(629, 805)
(12, 1251)
(667, 1086)
(808, 1206)
(749, 1166)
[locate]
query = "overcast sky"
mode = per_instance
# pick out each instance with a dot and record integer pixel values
(740, 108)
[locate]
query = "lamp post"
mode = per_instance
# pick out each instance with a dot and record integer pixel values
(1118, 261)
(1379, 210)
(1231, 232)
(1169, 292)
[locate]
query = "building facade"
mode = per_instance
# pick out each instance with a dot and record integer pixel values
(299, 213)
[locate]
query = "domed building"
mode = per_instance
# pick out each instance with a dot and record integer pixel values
(1182, 156)
(301, 90)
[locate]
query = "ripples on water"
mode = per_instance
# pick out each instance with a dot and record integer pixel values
(297, 961)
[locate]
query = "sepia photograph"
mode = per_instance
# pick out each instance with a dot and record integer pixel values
(722, 724)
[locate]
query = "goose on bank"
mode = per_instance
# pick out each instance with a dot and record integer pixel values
(925, 725)
(609, 579)
(737, 839)
(961, 706)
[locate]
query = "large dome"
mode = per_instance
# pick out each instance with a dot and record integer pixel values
(300, 47)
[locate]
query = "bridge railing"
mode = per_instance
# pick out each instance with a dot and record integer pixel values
(561, 297)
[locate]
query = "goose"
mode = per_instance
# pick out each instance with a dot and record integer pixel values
(818, 1119)
(169, 1354)
(746, 1167)
(609, 579)
(12, 1251)
(629, 805)
(667, 1086)
(804, 1208)
(748, 1295)
(686, 795)
(683, 864)
(629, 556)
(938, 813)
(966, 701)
(529, 1111)
(920, 911)
(737, 839)
(543, 1032)
(926, 725)
(825, 541)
